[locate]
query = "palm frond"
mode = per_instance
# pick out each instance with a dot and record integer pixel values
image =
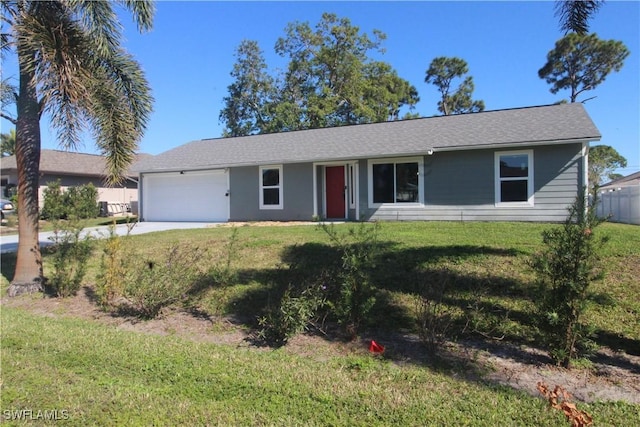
(52, 45)
(99, 21)
(7, 13)
(121, 104)
(84, 77)
(114, 129)
(574, 14)
(143, 12)
(129, 80)
(7, 92)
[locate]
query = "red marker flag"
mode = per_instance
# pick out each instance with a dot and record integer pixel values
(376, 348)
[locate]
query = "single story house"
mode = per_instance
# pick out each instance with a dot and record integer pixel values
(524, 164)
(74, 169)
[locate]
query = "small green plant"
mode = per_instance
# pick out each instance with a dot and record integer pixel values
(355, 295)
(113, 270)
(71, 252)
(153, 283)
(295, 313)
(433, 316)
(566, 266)
(224, 274)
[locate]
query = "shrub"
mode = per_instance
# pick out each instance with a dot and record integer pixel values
(567, 265)
(341, 292)
(433, 316)
(113, 270)
(294, 314)
(156, 282)
(82, 201)
(54, 204)
(354, 298)
(76, 202)
(71, 252)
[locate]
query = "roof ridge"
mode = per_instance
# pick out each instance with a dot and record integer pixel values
(352, 125)
(70, 152)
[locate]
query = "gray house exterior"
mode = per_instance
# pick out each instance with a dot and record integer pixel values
(524, 164)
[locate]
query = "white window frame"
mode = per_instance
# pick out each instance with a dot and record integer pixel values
(352, 177)
(396, 160)
(498, 180)
(263, 187)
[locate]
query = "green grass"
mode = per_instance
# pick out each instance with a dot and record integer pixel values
(104, 375)
(486, 265)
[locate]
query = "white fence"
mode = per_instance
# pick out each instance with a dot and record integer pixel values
(622, 205)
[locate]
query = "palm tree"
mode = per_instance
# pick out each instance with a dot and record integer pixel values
(71, 65)
(574, 14)
(8, 143)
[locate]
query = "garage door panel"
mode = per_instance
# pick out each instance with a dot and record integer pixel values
(185, 197)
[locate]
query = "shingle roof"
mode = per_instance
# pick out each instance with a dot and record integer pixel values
(59, 162)
(533, 125)
(625, 181)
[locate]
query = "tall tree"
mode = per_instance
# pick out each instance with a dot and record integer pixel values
(325, 69)
(386, 92)
(245, 109)
(330, 80)
(72, 66)
(603, 161)
(574, 14)
(441, 73)
(581, 63)
(8, 143)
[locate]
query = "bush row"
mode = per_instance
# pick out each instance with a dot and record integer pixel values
(75, 202)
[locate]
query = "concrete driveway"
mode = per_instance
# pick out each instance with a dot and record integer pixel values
(9, 243)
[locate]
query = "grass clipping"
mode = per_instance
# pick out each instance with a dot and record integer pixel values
(560, 399)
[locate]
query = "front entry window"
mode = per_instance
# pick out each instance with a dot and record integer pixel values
(394, 182)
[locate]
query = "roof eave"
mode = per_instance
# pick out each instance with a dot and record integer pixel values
(517, 144)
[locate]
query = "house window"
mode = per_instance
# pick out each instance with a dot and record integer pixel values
(514, 178)
(271, 187)
(394, 181)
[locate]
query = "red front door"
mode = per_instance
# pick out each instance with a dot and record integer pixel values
(334, 184)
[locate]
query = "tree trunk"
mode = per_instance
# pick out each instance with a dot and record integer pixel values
(28, 276)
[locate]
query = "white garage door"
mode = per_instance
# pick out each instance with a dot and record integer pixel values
(191, 196)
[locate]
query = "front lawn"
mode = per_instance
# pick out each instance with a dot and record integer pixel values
(101, 374)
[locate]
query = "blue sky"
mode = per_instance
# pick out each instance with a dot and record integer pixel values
(190, 52)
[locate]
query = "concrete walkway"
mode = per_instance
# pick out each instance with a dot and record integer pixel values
(9, 243)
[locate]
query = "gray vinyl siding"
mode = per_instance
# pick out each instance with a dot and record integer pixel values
(297, 187)
(461, 186)
(459, 179)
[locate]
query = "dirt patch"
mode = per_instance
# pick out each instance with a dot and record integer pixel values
(614, 376)
(263, 223)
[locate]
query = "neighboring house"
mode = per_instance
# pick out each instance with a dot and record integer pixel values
(74, 169)
(620, 200)
(524, 164)
(632, 180)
